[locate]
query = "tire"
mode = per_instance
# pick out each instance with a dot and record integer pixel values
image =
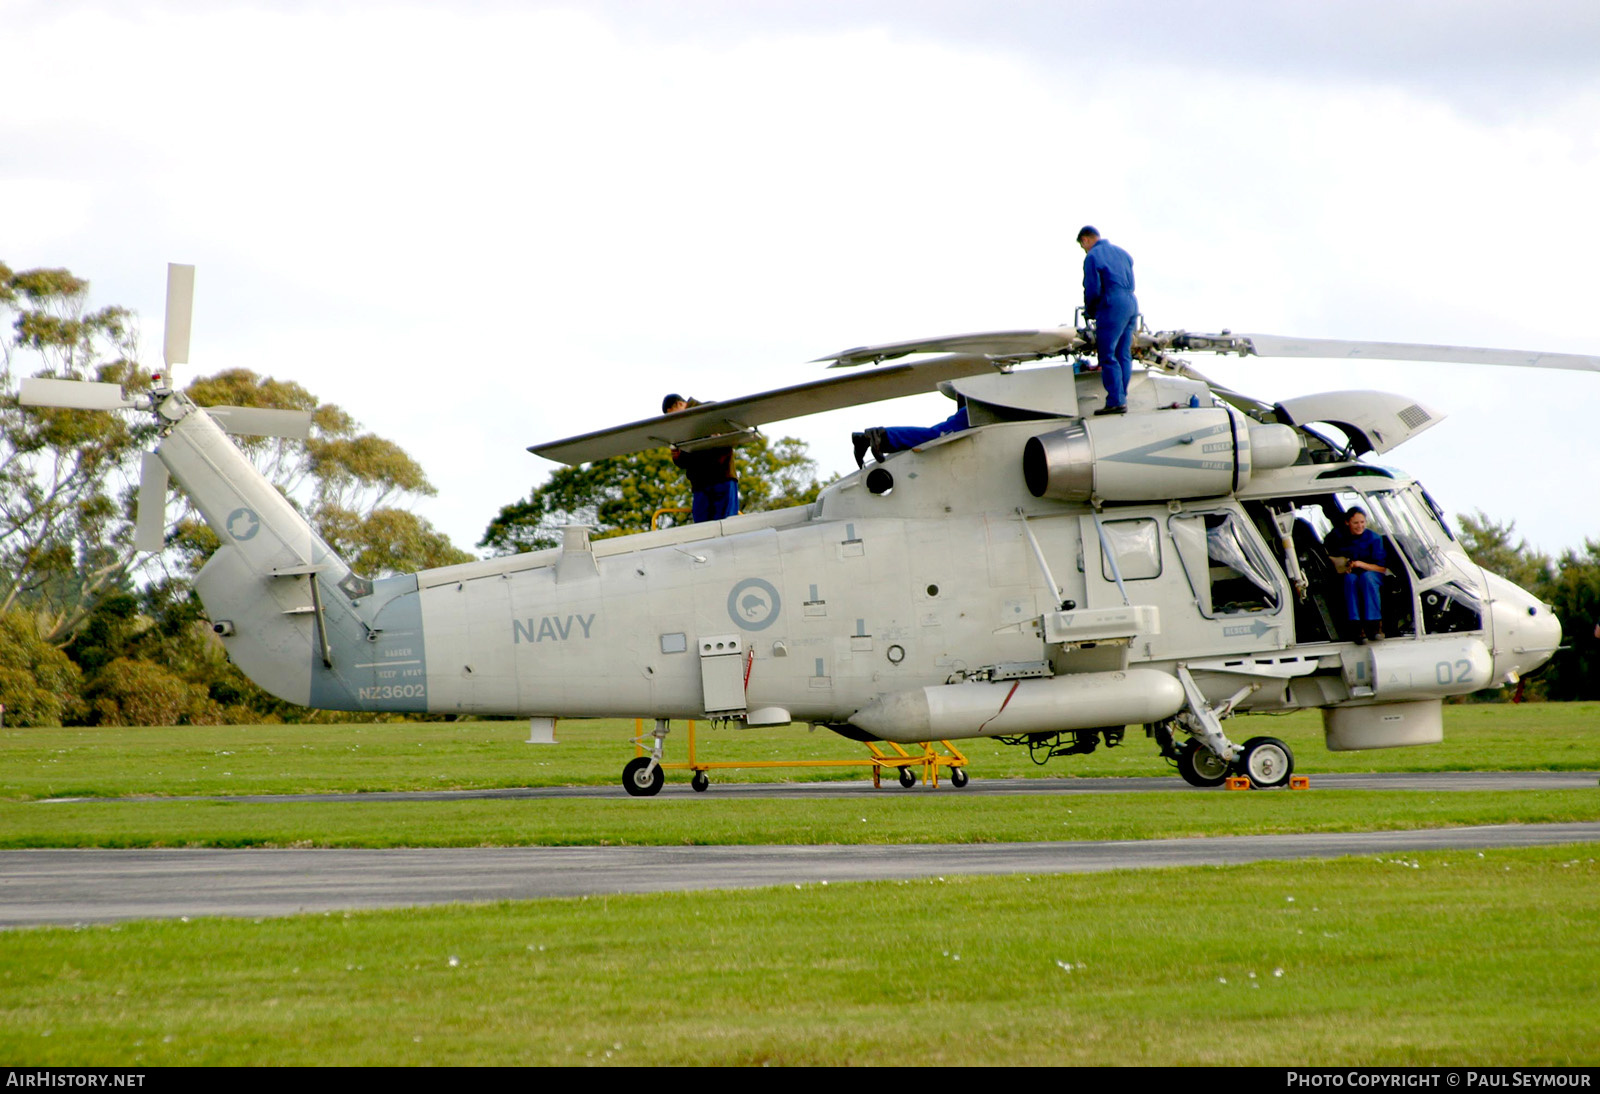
(700, 782)
(958, 777)
(1266, 761)
(640, 780)
(908, 778)
(1199, 766)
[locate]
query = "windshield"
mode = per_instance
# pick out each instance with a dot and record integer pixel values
(1408, 522)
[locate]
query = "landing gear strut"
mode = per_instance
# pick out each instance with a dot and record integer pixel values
(642, 776)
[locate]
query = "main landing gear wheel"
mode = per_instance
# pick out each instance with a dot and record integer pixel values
(642, 780)
(1267, 761)
(958, 777)
(908, 778)
(1199, 766)
(699, 782)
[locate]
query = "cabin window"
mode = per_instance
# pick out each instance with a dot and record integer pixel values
(1224, 564)
(1136, 547)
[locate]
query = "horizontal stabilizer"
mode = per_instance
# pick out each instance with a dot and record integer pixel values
(738, 415)
(257, 421)
(1275, 345)
(72, 394)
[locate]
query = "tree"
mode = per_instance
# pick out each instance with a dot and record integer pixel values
(65, 475)
(1574, 594)
(620, 496)
(38, 683)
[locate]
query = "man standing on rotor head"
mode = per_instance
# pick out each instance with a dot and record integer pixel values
(1108, 300)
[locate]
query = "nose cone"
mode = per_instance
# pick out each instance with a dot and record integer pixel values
(1526, 632)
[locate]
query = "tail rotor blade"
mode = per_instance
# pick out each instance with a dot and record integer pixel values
(150, 525)
(72, 394)
(258, 421)
(180, 309)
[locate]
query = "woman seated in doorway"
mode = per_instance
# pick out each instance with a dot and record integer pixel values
(1358, 554)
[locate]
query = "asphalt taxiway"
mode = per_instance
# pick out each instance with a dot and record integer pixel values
(39, 887)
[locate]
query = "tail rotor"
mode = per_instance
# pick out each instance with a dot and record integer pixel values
(150, 522)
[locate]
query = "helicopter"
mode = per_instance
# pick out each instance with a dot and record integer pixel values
(1046, 577)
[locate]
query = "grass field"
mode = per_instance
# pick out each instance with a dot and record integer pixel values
(888, 817)
(1447, 958)
(285, 759)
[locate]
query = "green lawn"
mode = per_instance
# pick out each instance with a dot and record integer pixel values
(1444, 958)
(282, 759)
(889, 816)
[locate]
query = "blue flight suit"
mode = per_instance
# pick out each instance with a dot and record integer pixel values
(1108, 299)
(898, 438)
(711, 479)
(1363, 601)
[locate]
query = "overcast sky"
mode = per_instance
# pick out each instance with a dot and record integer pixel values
(481, 225)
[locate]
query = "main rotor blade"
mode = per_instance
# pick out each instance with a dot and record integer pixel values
(1000, 343)
(737, 415)
(72, 394)
(180, 309)
(150, 523)
(1277, 345)
(258, 421)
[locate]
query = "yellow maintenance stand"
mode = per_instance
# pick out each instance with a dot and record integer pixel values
(645, 774)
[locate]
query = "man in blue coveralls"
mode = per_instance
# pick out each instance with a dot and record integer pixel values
(882, 440)
(714, 488)
(1108, 299)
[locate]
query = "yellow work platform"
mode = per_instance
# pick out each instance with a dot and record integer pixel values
(643, 776)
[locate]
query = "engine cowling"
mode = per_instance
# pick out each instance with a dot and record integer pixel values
(1195, 452)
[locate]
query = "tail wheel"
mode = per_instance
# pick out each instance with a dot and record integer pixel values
(1267, 761)
(1199, 766)
(641, 780)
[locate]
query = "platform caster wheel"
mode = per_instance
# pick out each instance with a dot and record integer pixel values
(958, 777)
(1199, 766)
(908, 777)
(699, 782)
(1266, 761)
(641, 780)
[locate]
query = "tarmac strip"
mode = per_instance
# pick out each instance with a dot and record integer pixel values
(39, 887)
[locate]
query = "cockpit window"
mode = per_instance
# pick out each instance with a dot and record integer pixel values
(1407, 522)
(1438, 513)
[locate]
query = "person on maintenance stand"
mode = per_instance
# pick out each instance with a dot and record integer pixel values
(1357, 552)
(1108, 300)
(710, 472)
